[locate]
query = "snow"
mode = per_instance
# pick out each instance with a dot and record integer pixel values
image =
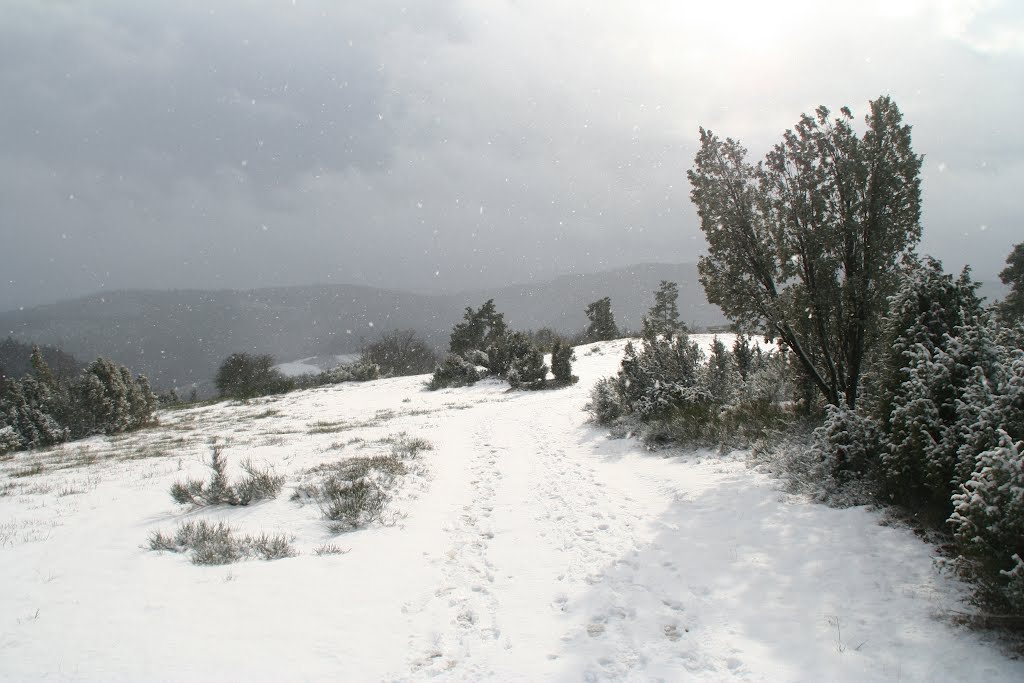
(297, 368)
(315, 364)
(532, 547)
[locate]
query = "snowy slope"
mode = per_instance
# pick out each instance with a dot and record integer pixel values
(531, 547)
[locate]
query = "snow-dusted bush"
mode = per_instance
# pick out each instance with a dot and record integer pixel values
(605, 403)
(847, 444)
(351, 504)
(214, 544)
(660, 376)
(354, 492)
(257, 484)
(988, 516)
(513, 356)
(527, 368)
(10, 440)
(938, 335)
(666, 384)
(454, 371)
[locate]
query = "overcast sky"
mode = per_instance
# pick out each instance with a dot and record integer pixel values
(438, 145)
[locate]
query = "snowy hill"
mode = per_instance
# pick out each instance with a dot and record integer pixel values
(525, 545)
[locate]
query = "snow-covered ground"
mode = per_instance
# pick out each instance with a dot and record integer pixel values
(315, 364)
(530, 548)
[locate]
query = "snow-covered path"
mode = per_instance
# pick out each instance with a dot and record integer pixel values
(534, 548)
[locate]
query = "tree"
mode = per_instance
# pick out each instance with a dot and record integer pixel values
(400, 353)
(1012, 307)
(244, 375)
(562, 356)
(478, 330)
(805, 247)
(602, 325)
(108, 401)
(663, 318)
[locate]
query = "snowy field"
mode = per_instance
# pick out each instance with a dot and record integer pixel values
(527, 547)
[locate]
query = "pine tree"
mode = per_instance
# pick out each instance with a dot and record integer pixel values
(663, 318)
(602, 325)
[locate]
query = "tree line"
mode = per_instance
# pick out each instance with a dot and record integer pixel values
(43, 408)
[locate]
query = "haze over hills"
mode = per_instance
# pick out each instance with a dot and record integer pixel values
(179, 337)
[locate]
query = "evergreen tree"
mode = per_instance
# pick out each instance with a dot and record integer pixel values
(1012, 307)
(562, 356)
(663, 318)
(744, 355)
(602, 325)
(24, 418)
(806, 247)
(938, 334)
(478, 330)
(988, 518)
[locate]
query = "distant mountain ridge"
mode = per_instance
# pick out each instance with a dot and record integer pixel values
(179, 337)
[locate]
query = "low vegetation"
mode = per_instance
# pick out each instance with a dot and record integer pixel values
(257, 484)
(354, 492)
(207, 543)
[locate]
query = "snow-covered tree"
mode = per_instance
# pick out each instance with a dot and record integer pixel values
(25, 417)
(848, 443)
(988, 516)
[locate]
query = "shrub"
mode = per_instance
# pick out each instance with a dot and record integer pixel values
(213, 544)
(523, 362)
(244, 375)
(255, 486)
(847, 444)
(988, 520)
(605, 404)
(354, 492)
(400, 353)
(454, 371)
(351, 504)
(361, 370)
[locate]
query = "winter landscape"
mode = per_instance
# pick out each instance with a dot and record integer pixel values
(509, 340)
(522, 544)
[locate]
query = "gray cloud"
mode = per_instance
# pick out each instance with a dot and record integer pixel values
(452, 144)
